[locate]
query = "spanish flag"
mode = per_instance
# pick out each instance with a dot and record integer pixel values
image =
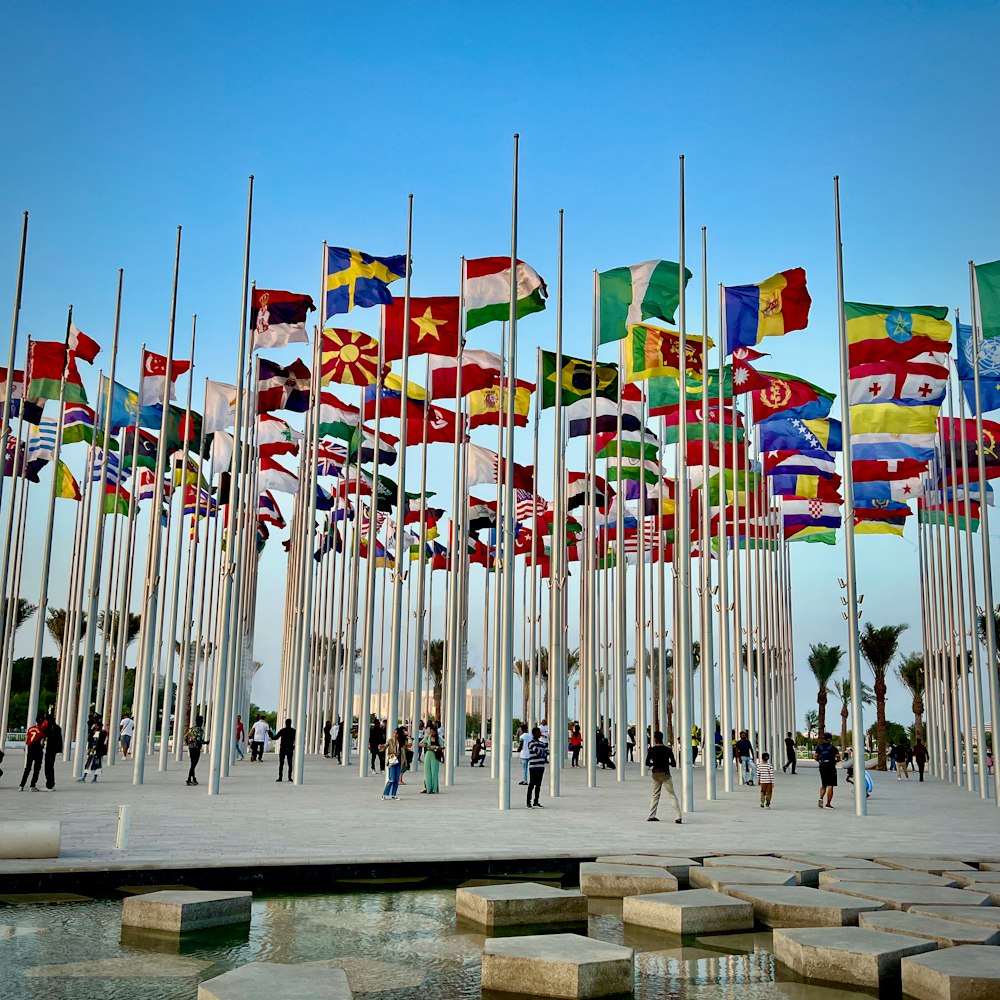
(769, 308)
(486, 406)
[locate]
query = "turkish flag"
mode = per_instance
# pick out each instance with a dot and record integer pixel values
(433, 327)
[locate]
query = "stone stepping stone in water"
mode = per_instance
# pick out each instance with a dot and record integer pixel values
(149, 966)
(851, 955)
(935, 866)
(988, 866)
(805, 874)
(262, 980)
(967, 972)
(982, 916)
(678, 867)
(825, 862)
(140, 890)
(801, 905)
(38, 898)
(902, 897)
(179, 911)
(893, 876)
(967, 878)
(947, 933)
(691, 911)
(991, 889)
(617, 881)
(520, 903)
(557, 965)
(718, 878)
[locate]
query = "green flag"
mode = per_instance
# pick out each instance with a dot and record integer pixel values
(666, 391)
(629, 295)
(988, 284)
(575, 380)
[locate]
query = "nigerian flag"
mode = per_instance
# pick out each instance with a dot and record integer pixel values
(629, 295)
(988, 287)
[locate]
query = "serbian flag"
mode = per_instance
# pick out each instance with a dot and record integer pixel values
(279, 318)
(155, 377)
(433, 327)
(81, 345)
(769, 308)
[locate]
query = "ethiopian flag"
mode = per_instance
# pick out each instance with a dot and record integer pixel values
(66, 486)
(884, 328)
(777, 305)
(487, 290)
(575, 380)
(651, 290)
(652, 351)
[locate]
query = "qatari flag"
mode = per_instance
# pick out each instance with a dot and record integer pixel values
(278, 318)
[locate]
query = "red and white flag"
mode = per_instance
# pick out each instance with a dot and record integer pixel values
(154, 377)
(276, 478)
(81, 345)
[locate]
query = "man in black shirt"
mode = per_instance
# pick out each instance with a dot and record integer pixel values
(827, 757)
(790, 758)
(660, 759)
(286, 747)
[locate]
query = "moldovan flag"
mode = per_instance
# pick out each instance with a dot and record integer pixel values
(769, 308)
(485, 406)
(629, 295)
(487, 290)
(47, 360)
(483, 469)
(480, 370)
(66, 485)
(81, 345)
(155, 378)
(279, 318)
(433, 327)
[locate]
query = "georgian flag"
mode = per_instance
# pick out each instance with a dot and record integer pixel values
(907, 384)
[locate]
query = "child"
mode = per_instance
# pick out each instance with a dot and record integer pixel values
(765, 779)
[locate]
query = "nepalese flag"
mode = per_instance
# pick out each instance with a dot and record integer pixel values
(354, 278)
(746, 378)
(904, 384)
(268, 510)
(801, 511)
(32, 409)
(156, 381)
(781, 434)
(81, 345)
(790, 396)
(278, 318)
(282, 388)
(770, 308)
(276, 437)
(48, 362)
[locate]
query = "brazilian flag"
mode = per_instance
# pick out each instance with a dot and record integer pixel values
(575, 380)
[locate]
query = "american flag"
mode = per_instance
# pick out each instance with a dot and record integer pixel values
(526, 505)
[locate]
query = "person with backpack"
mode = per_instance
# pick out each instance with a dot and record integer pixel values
(827, 756)
(53, 747)
(34, 742)
(660, 759)
(194, 740)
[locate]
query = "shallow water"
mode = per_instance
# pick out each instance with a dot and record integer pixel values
(400, 944)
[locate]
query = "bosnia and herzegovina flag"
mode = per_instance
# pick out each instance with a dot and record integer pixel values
(769, 308)
(355, 278)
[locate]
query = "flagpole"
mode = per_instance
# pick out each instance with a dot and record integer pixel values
(103, 704)
(418, 637)
(557, 656)
(347, 712)
(20, 497)
(621, 713)
(725, 674)
(497, 568)
(590, 656)
(942, 747)
(851, 586)
(12, 352)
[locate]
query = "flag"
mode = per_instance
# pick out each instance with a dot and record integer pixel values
(780, 434)
(155, 380)
(220, 406)
(480, 370)
(42, 443)
(278, 318)
(989, 369)
(282, 388)
(47, 362)
(66, 486)
(220, 452)
(350, 357)
(146, 486)
(113, 474)
(634, 444)
(78, 425)
(434, 326)
(125, 409)
(574, 381)
(145, 449)
(950, 514)
(901, 490)
(487, 290)
(988, 287)
(199, 502)
(653, 351)
(480, 514)
(892, 469)
(274, 477)
(182, 428)
(725, 421)
(390, 392)
(888, 445)
(790, 396)
(883, 517)
(629, 295)
(890, 418)
(903, 384)
(116, 500)
(666, 391)
(363, 439)
(485, 406)
(439, 424)
(883, 328)
(810, 533)
(810, 512)
(770, 308)
(81, 345)
(354, 278)
(189, 475)
(823, 487)
(989, 394)
(337, 419)
(578, 490)
(32, 410)
(275, 437)
(578, 416)
(633, 469)
(268, 510)
(483, 468)
(800, 463)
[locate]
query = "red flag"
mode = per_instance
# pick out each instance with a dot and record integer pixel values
(433, 327)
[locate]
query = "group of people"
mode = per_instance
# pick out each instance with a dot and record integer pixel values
(394, 755)
(43, 742)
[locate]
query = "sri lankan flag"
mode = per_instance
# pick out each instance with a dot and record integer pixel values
(574, 381)
(652, 351)
(894, 333)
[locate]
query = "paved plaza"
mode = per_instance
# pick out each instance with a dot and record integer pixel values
(337, 817)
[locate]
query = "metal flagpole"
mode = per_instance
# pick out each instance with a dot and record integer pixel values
(347, 711)
(851, 586)
(8, 395)
(590, 657)
(621, 713)
(418, 637)
(725, 679)
(705, 562)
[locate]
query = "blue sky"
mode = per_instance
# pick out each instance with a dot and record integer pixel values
(123, 121)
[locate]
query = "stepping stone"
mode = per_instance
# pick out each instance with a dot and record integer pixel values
(924, 864)
(850, 955)
(717, 878)
(678, 867)
(179, 911)
(264, 980)
(991, 889)
(618, 881)
(691, 911)
(140, 890)
(902, 897)
(557, 965)
(520, 903)
(988, 866)
(801, 906)
(967, 878)
(826, 862)
(805, 874)
(947, 933)
(128, 968)
(37, 898)
(982, 916)
(968, 972)
(894, 876)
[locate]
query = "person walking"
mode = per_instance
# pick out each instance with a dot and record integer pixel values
(194, 740)
(327, 738)
(240, 737)
(744, 751)
(538, 754)
(338, 739)
(659, 759)
(53, 747)
(433, 756)
(791, 756)
(575, 745)
(523, 739)
(920, 756)
(765, 779)
(395, 754)
(125, 730)
(903, 757)
(97, 750)
(892, 756)
(34, 743)
(258, 733)
(286, 748)
(630, 744)
(827, 756)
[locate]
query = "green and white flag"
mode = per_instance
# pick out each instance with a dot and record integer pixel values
(629, 295)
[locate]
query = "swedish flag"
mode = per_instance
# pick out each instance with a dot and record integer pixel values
(354, 278)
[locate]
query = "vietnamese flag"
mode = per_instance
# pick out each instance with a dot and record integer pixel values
(47, 362)
(433, 327)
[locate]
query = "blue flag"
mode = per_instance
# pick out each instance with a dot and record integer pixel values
(124, 407)
(354, 279)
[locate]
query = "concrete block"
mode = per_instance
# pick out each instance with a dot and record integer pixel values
(893, 876)
(178, 911)
(982, 916)
(902, 897)
(947, 933)
(801, 905)
(24, 839)
(557, 965)
(928, 864)
(991, 889)
(265, 980)
(850, 955)
(717, 878)
(678, 867)
(805, 874)
(618, 881)
(691, 911)
(827, 861)
(968, 972)
(988, 866)
(967, 878)
(520, 903)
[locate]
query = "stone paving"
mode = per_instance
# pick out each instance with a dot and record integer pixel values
(338, 817)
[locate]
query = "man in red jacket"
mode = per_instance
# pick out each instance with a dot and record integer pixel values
(34, 741)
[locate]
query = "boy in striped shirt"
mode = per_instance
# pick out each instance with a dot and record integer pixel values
(765, 779)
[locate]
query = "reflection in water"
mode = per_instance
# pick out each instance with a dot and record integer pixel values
(406, 945)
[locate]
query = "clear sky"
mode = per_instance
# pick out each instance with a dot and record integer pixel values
(125, 120)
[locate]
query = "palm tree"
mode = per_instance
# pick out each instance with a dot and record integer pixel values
(434, 651)
(911, 672)
(879, 647)
(23, 611)
(812, 723)
(843, 689)
(981, 629)
(824, 661)
(132, 626)
(55, 625)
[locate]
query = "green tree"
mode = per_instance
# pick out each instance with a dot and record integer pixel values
(56, 622)
(843, 690)
(434, 657)
(910, 671)
(23, 611)
(824, 662)
(812, 723)
(879, 647)
(20, 686)
(981, 629)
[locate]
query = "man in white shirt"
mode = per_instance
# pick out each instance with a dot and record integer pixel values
(258, 734)
(523, 739)
(125, 730)
(335, 733)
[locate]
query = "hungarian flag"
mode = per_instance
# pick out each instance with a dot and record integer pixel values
(155, 378)
(275, 437)
(282, 388)
(488, 290)
(575, 380)
(480, 370)
(485, 406)
(768, 308)
(279, 318)
(653, 351)
(484, 468)
(276, 478)
(47, 361)
(337, 419)
(433, 327)
(81, 345)
(791, 397)
(349, 357)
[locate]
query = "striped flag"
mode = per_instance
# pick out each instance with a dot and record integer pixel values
(115, 474)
